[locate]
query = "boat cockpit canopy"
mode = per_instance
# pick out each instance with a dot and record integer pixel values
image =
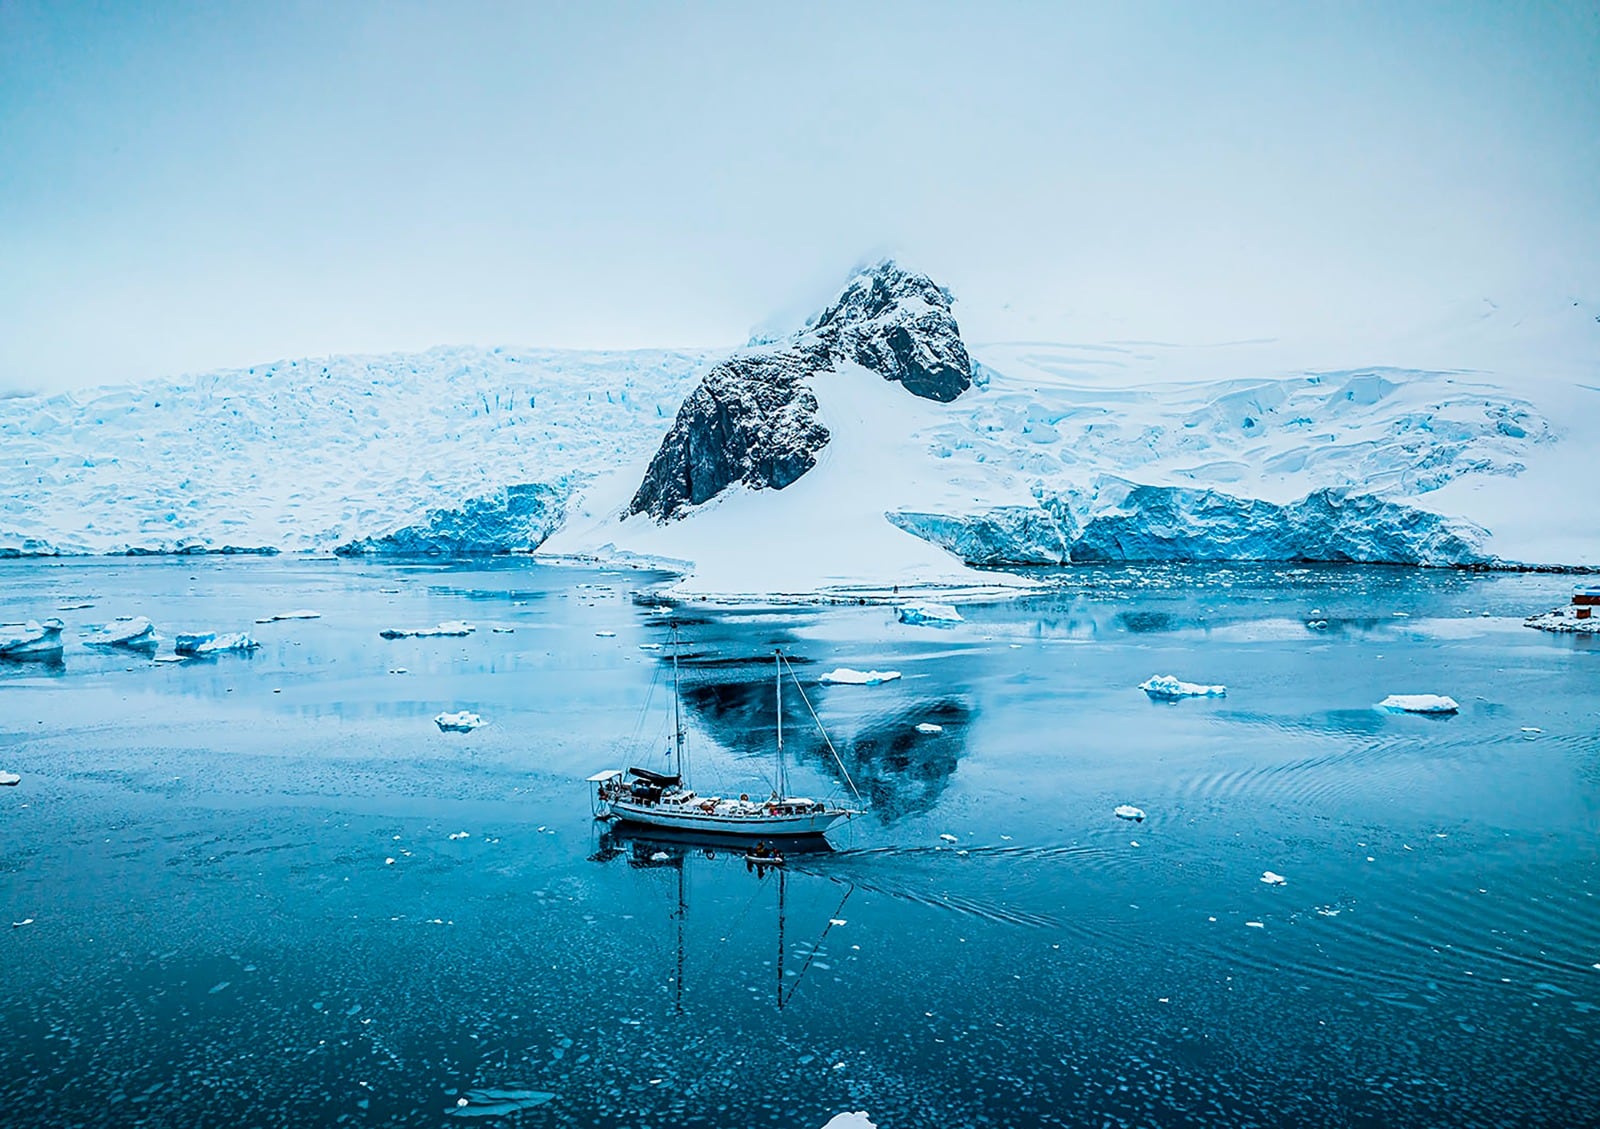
(660, 779)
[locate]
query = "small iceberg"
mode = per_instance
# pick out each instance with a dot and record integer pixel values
(929, 727)
(302, 613)
(948, 838)
(1128, 811)
(1419, 703)
(845, 676)
(928, 615)
(498, 1102)
(136, 634)
(450, 627)
(1169, 688)
(463, 722)
(210, 643)
(9, 778)
(1272, 879)
(856, 1120)
(31, 641)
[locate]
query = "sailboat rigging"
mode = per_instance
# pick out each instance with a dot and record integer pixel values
(665, 800)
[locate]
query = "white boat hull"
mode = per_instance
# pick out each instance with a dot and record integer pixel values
(754, 825)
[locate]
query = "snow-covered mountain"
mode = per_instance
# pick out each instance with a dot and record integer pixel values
(866, 448)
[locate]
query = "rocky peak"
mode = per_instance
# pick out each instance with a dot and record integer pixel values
(898, 323)
(753, 420)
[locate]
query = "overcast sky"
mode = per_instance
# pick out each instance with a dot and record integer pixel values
(185, 187)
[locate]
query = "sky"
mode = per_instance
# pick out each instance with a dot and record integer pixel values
(186, 187)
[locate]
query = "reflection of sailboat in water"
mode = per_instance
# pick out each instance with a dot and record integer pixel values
(656, 850)
(665, 800)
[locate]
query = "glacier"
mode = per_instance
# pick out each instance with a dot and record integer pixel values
(873, 447)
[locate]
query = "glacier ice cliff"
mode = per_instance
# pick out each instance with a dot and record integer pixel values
(511, 519)
(1117, 520)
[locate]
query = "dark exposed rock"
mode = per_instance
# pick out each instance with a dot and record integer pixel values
(753, 420)
(512, 519)
(899, 325)
(750, 420)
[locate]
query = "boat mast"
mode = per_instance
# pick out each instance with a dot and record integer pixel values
(677, 709)
(783, 781)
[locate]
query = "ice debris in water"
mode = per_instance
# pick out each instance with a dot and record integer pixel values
(856, 1120)
(302, 613)
(20, 924)
(605, 634)
(498, 1102)
(660, 856)
(1128, 811)
(463, 722)
(948, 838)
(1272, 879)
(31, 640)
(210, 643)
(449, 627)
(928, 615)
(10, 778)
(1256, 924)
(1419, 703)
(135, 634)
(846, 676)
(1167, 686)
(929, 727)
(460, 834)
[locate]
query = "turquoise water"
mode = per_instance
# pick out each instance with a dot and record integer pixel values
(218, 937)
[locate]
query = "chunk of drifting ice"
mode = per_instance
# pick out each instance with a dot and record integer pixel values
(856, 1120)
(660, 856)
(210, 643)
(948, 838)
(137, 633)
(463, 722)
(9, 778)
(848, 677)
(928, 615)
(1256, 924)
(460, 834)
(449, 627)
(1419, 703)
(605, 634)
(300, 614)
(1128, 811)
(1168, 687)
(929, 727)
(497, 1102)
(1272, 879)
(31, 640)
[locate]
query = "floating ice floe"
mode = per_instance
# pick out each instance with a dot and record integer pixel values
(1419, 703)
(848, 677)
(32, 640)
(1272, 879)
(503, 630)
(948, 838)
(10, 778)
(135, 634)
(928, 615)
(300, 614)
(856, 1120)
(929, 727)
(498, 1102)
(605, 634)
(210, 643)
(1128, 811)
(449, 627)
(20, 924)
(660, 856)
(1168, 687)
(463, 722)
(460, 835)
(1256, 924)
(78, 607)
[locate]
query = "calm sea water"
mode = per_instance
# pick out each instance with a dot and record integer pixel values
(219, 936)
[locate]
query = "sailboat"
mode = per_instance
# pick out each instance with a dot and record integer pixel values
(666, 801)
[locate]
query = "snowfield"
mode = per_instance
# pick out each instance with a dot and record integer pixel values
(1057, 453)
